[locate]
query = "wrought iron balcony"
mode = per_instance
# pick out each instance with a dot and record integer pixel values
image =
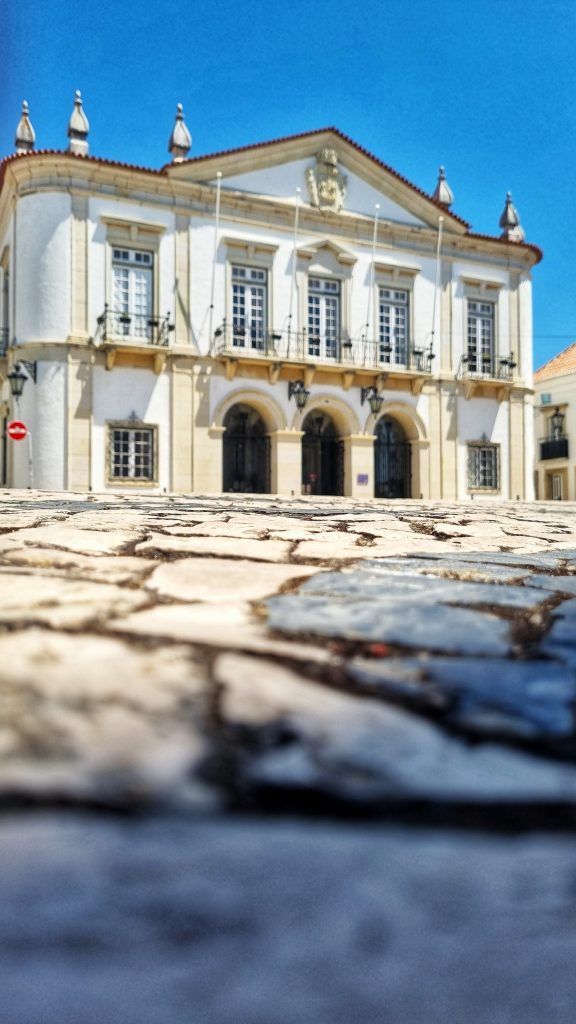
(491, 368)
(305, 347)
(554, 447)
(135, 328)
(4, 336)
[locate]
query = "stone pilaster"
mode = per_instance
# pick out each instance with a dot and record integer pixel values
(286, 462)
(359, 465)
(182, 433)
(80, 326)
(182, 334)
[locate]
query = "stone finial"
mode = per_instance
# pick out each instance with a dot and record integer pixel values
(25, 134)
(180, 141)
(510, 222)
(78, 128)
(443, 193)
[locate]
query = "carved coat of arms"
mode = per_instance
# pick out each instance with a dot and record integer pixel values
(326, 185)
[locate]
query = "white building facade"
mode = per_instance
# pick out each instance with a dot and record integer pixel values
(292, 317)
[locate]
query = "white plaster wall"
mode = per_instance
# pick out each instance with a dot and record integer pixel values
(476, 417)
(43, 409)
(98, 269)
(117, 394)
(42, 267)
(282, 181)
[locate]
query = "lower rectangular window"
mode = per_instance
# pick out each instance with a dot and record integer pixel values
(132, 453)
(483, 467)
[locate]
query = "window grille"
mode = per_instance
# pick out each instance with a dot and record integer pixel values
(483, 467)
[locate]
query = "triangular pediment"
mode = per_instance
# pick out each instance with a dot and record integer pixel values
(275, 171)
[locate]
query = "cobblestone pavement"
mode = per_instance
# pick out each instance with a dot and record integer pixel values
(286, 761)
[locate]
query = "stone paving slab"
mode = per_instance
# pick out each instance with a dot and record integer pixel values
(194, 661)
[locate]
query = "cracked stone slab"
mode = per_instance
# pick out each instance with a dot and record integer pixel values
(215, 580)
(62, 603)
(90, 719)
(218, 625)
(493, 697)
(69, 538)
(115, 569)
(313, 738)
(218, 547)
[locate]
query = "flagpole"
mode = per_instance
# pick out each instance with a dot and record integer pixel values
(372, 271)
(293, 280)
(216, 233)
(437, 282)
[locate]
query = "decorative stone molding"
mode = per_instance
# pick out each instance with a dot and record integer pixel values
(326, 184)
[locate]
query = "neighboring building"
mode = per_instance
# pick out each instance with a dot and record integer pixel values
(555, 427)
(289, 317)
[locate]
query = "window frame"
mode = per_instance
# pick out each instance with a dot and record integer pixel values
(249, 341)
(132, 426)
(327, 347)
(474, 449)
(136, 236)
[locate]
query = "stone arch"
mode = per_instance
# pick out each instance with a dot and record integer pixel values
(345, 419)
(268, 408)
(403, 470)
(411, 422)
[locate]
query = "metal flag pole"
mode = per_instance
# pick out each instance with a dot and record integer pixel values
(216, 234)
(372, 273)
(437, 282)
(293, 280)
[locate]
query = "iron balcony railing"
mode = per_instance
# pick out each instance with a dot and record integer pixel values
(554, 447)
(491, 368)
(4, 335)
(305, 346)
(115, 325)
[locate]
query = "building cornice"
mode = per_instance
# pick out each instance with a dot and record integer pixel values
(65, 172)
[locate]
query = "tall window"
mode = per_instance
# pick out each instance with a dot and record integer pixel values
(393, 326)
(483, 467)
(249, 302)
(323, 317)
(481, 337)
(131, 292)
(131, 453)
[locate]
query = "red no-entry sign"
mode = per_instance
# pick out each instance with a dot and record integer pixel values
(17, 430)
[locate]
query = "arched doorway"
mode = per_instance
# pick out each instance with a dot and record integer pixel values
(246, 451)
(322, 456)
(392, 471)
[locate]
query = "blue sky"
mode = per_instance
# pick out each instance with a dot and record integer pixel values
(486, 87)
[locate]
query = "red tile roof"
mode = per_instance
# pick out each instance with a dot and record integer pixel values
(559, 366)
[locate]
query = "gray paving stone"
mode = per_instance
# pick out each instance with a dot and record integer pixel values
(376, 583)
(432, 627)
(164, 921)
(494, 697)
(365, 750)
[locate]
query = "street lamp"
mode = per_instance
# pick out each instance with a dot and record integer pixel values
(299, 392)
(17, 378)
(375, 401)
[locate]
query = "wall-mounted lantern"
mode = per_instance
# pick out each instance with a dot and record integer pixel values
(17, 378)
(557, 423)
(298, 392)
(375, 401)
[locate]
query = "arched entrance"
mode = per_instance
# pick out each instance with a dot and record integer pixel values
(322, 456)
(246, 451)
(392, 471)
